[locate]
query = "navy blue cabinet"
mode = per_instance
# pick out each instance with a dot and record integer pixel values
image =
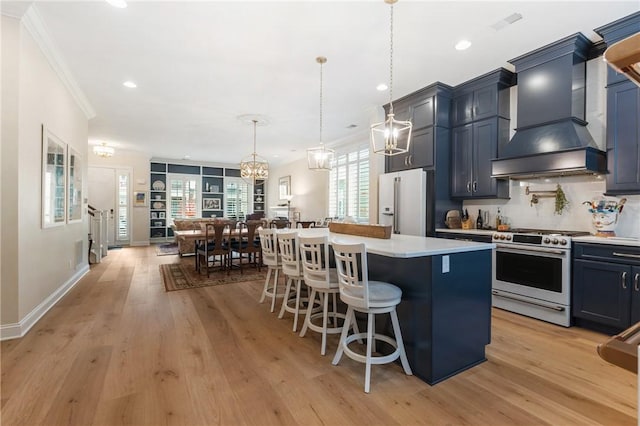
(623, 138)
(480, 116)
(623, 110)
(473, 146)
(428, 110)
(606, 285)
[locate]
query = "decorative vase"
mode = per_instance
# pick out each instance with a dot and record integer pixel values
(604, 214)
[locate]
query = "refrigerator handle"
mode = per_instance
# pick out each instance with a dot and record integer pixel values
(396, 204)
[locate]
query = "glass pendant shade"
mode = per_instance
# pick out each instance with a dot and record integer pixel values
(103, 150)
(320, 158)
(391, 137)
(253, 167)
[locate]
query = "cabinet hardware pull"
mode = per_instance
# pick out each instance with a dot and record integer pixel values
(405, 161)
(624, 280)
(475, 186)
(633, 256)
(468, 186)
(636, 282)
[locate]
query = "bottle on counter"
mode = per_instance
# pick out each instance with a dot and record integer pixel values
(479, 222)
(498, 218)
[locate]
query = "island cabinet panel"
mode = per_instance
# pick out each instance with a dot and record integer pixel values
(623, 138)
(445, 317)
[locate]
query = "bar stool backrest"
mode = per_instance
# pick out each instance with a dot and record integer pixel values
(269, 243)
(288, 244)
(314, 255)
(354, 286)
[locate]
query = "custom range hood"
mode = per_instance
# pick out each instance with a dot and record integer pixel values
(551, 138)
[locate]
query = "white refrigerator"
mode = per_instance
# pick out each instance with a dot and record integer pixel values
(402, 201)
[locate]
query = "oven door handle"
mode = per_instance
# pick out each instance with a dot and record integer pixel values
(530, 302)
(531, 249)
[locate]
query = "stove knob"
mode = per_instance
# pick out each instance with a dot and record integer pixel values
(563, 242)
(508, 237)
(502, 237)
(496, 237)
(555, 241)
(547, 240)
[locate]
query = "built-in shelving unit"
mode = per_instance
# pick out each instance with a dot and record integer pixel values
(211, 194)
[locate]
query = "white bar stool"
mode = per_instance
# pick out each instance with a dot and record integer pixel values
(271, 258)
(372, 298)
(323, 281)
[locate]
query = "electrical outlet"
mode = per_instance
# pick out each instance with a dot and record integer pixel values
(445, 264)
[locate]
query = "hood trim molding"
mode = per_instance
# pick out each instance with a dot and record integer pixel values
(558, 163)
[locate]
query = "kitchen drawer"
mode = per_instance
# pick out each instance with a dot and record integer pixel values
(608, 253)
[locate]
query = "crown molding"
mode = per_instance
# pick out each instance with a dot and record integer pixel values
(36, 27)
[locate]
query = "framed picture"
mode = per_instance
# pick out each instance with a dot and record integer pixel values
(140, 199)
(54, 177)
(211, 204)
(74, 186)
(284, 187)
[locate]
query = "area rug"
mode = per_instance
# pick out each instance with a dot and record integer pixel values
(181, 276)
(166, 249)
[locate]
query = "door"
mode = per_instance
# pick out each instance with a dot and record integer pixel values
(386, 199)
(102, 195)
(601, 292)
(635, 295)
(461, 154)
(109, 189)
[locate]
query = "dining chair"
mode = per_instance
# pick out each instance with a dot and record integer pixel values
(323, 282)
(272, 260)
(306, 224)
(280, 224)
(215, 243)
(243, 242)
(369, 297)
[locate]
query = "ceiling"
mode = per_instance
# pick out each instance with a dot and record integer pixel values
(199, 65)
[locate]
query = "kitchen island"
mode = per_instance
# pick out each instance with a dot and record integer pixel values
(445, 313)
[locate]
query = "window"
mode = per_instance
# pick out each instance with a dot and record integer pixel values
(237, 203)
(183, 196)
(349, 184)
(122, 226)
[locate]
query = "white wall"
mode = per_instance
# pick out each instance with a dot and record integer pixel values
(45, 258)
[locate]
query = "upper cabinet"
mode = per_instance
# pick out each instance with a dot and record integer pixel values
(480, 119)
(427, 109)
(623, 110)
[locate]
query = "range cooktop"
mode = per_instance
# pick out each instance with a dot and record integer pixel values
(548, 232)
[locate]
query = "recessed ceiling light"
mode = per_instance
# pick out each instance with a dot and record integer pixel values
(130, 84)
(381, 87)
(117, 3)
(463, 45)
(352, 126)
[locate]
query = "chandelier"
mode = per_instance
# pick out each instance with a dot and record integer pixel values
(254, 167)
(320, 158)
(103, 150)
(391, 137)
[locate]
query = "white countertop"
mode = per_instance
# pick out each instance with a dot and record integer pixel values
(403, 246)
(620, 241)
(617, 241)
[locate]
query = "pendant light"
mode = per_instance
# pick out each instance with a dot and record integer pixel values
(391, 137)
(254, 167)
(320, 158)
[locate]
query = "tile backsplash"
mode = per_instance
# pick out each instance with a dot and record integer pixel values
(521, 213)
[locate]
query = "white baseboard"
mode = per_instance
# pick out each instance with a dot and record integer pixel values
(139, 243)
(18, 330)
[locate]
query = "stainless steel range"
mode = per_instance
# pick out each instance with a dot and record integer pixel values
(532, 273)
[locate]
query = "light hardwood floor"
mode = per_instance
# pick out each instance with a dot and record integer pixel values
(119, 350)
